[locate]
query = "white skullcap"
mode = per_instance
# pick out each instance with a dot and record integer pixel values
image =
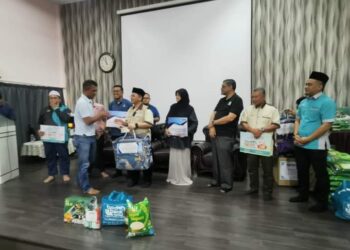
(54, 93)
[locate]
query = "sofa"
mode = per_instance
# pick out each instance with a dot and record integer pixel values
(203, 158)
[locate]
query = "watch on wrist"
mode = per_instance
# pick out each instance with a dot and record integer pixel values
(262, 130)
(136, 125)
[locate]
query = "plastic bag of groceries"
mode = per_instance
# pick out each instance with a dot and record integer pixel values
(114, 207)
(92, 214)
(341, 201)
(139, 219)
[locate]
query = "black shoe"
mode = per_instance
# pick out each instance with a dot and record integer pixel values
(299, 199)
(211, 185)
(146, 184)
(267, 197)
(117, 174)
(252, 191)
(318, 208)
(225, 190)
(131, 183)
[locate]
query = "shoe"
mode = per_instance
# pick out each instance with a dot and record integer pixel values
(93, 191)
(267, 197)
(131, 183)
(318, 208)
(225, 190)
(117, 174)
(299, 198)
(104, 175)
(146, 184)
(252, 192)
(211, 185)
(49, 179)
(66, 178)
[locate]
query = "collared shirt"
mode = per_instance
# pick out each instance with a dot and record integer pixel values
(122, 105)
(140, 114)
(313, 112)
(83, 108)
(261, 117)
(154, 111)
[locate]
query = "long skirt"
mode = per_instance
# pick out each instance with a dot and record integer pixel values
(180, 167)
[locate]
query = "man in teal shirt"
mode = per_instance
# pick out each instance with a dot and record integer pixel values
(314, 120)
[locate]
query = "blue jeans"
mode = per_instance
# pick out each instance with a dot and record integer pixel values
(86, 148)
(57, 152)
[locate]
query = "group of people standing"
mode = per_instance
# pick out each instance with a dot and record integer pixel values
(315, 114)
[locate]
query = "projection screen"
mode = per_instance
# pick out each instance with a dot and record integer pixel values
(193, 46)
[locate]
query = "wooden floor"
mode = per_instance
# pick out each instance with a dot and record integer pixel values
(192, 217)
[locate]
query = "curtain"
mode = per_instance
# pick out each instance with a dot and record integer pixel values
(27, 102)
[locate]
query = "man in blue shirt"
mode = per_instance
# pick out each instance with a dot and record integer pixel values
(5, 109)
(146, 101)
(118, 104)
(313, 122)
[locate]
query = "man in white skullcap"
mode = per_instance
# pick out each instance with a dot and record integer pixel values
(56, 114)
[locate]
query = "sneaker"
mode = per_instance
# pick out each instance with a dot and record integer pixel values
(93, 191)
(225, 190)
(49, 179)
(318, 208)
(299, 198)
(66, 178)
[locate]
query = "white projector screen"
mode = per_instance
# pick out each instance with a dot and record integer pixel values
(194, 47)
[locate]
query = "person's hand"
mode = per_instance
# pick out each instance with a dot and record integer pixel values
(120, 122)
(103, 114)
(301, 140)
(131, 126)
(291, 112)
(257, 133)
(212, 132)
(167, 132)
(41, 133)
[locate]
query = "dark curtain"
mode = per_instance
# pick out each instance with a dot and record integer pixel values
(27, 102)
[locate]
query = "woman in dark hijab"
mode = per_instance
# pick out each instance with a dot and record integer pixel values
(180, 147)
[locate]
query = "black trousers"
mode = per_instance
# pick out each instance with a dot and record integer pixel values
(253, 169)
(134, 176)
(318, 159)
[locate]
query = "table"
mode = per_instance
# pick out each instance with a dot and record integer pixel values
(36, 148)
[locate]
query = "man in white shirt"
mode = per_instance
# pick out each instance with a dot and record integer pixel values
(85, 135)
(260, 118)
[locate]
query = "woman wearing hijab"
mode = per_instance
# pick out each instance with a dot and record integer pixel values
(180, 147)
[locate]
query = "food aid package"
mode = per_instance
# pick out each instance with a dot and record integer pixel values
(113, 208)
(74, 209)
(341, 201)
(92, 214)
(139, 219)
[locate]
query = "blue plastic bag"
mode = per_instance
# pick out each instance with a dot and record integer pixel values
(113, 208)
(341, 201)
(132, 152)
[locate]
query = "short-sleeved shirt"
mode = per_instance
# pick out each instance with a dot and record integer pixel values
(122, 105)
(225, 106)
(312, 112)
(261, 117)
(140, 114)
(83, 108)
(154, 111)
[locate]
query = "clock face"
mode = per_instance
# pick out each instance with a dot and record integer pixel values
(106, 62)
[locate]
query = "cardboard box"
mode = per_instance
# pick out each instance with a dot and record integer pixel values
(285, 172)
